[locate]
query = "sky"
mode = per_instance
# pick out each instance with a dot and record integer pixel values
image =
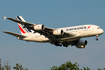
(54, 14)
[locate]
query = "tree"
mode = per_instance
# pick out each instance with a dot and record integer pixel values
(1, 68)
(68, 66)
(19, 67)
(101, 69)
(6, 66)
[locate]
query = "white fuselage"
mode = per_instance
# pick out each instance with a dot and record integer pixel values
(59, 37)
(80, 31)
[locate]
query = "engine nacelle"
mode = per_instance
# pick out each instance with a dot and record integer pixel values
(39, 27)
(58, 32)
(81, 44)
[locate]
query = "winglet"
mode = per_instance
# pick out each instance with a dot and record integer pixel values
(5, 17)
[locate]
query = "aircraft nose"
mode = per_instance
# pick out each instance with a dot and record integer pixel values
(102, 31)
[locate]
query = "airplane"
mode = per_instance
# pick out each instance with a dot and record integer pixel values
(59, 37)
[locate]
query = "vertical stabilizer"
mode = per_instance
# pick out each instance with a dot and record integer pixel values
(22, 28)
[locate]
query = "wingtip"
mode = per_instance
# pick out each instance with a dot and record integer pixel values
(3, 31)
(5, 17)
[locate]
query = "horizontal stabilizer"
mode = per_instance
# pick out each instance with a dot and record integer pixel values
(14, 34)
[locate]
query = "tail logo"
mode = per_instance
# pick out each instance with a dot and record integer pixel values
(21, 29)
(88, 27)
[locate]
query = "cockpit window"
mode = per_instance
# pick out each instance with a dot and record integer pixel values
(98, 28)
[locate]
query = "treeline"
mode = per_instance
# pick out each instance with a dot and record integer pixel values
(70, 66)
(6, 66)
(66, 66)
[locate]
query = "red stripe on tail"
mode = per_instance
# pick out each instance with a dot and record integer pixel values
(21, 30)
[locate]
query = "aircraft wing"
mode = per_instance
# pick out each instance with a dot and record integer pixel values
(18, 21)
(48, 32)
(14, 34)
(25, 23)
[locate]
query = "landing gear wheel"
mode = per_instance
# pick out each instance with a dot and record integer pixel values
(96, 39)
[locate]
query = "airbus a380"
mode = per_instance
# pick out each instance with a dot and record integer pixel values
(59, 37)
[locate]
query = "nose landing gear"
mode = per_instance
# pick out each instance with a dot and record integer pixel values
(97, 37)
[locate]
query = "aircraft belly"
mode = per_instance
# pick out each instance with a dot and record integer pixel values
(68, 39)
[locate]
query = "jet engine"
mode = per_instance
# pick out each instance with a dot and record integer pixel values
(39, 27)
(58, 32)
(81, 44)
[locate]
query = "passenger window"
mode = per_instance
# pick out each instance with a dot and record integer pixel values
(74, 28)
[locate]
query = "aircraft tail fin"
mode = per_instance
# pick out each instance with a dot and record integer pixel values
(22, 28)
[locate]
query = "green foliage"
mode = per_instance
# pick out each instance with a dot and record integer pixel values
(19, 67)
(101, 69)
(86, 68)
(68, 66)
(6, 66)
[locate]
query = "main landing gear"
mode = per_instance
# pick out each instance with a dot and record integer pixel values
(97, 37)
